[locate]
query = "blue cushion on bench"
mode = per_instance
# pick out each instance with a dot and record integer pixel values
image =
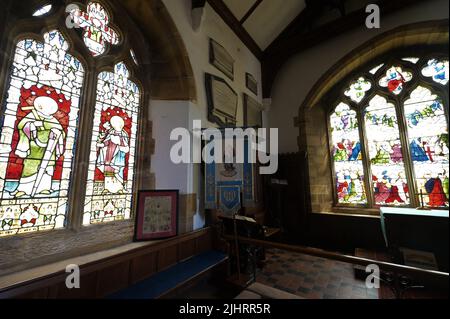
(158, 284)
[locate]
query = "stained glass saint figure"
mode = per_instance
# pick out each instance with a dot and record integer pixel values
(95, 23)
(113, 148)
(41, 144)
(395, 79)
(110, 176)
(37, 138)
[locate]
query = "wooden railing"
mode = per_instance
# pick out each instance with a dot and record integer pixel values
(430, 277)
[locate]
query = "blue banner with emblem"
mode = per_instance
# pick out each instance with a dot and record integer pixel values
(225, 180)
(229, 199)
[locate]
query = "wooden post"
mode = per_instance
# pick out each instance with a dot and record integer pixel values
(236, 247)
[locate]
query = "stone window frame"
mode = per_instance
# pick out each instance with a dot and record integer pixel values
(336, 95)
(74, 239)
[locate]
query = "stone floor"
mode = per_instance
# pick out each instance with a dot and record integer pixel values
(312, 277)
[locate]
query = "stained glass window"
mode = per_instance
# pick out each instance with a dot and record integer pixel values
(358, 89)
(97, 31)
(348, 167)
(111, 164)
(375, 69)
(428, 138)
(385, 153)
(401, 147)
(395, 79)
(38, 131)
(437, 70)
(42, 11)
(412, 60)
(133, 56)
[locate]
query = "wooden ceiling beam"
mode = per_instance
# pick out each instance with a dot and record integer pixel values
(228, 17)
(250, 11)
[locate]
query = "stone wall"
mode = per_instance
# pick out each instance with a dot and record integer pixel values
(318, 159)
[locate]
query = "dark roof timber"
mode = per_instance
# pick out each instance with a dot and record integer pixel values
(225, 13)
(292, 40)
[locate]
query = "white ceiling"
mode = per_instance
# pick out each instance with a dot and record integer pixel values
(269, 19)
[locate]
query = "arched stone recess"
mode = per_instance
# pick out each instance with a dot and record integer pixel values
(163, 71)
(172, 75)
(312, 114)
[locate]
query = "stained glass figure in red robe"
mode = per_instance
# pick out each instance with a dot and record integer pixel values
(113, 148)
(395, 79)
(436, 192)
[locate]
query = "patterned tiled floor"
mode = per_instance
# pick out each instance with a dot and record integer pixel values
(312, 277)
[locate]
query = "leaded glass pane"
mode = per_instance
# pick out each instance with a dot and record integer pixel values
(390, 186)
(112, 158)
(42, 11)
(412, 60)
(348, 167)
(428, 138)
(437, 70)
(133, 56)
(38, 131)
(375, 69)
(395, 79)
(96, 29)
(358, 89)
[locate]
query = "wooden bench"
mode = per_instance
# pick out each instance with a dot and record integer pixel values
(166, 282)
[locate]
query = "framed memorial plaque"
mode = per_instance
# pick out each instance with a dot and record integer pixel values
(221, 59)
(222, 101)
(157, 214)
(252, 112)
(251, 83)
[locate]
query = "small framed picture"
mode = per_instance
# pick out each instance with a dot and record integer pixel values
(157, 214)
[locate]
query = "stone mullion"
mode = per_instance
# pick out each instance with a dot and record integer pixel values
(365, 158)
(83, 145)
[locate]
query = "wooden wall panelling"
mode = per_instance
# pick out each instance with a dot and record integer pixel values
(41, 293)
(88, 288)
(167, 257)
(187, 249)
(204, 244)
(113, 278)
(143, 267)
(103, 277)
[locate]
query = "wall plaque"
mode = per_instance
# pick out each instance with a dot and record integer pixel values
(251, 83)
(222, 101)
(252, 112)
(157, 214)
(221, 59)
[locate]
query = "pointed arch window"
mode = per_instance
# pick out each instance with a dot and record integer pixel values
(389, 135)
(346, 152)
(54, 117)
(111, 164)
(38, 132)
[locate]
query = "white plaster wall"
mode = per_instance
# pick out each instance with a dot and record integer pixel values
(301, 72)
(167, 115)
(197, 46)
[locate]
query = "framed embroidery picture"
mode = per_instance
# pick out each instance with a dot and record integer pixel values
(157, 214)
